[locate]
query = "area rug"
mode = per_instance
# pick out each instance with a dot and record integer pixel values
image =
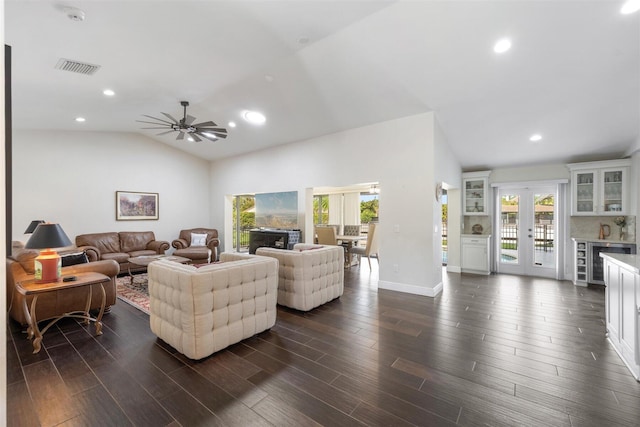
(136, 293)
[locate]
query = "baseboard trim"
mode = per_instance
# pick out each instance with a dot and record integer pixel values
(454, 269)
(411, 289)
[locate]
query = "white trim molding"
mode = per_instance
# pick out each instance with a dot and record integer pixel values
(411, 289)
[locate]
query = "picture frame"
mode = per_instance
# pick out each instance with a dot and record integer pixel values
(136, 206)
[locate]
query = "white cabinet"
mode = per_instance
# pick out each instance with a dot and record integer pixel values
(580, 266)
(475, 254)
(475, 197)
(622, 305)
(600, 188)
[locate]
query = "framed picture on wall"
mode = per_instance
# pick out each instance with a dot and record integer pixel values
(131, 206)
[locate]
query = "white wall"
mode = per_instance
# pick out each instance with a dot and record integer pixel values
(449, 172)
(399, 154)
(71, 178)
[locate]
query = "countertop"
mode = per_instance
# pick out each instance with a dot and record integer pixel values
(629, 261)
(593, 239)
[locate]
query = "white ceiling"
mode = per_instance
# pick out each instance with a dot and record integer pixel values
(573, 74)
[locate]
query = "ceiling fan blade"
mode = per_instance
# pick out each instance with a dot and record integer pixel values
(171, 118)
(209, 136)
(180, 136)
(195, 137)
(160, 120)
(189, 119)
(163, 127)
(164, 133)
(223, 130)
(154, 123)
(204, 124)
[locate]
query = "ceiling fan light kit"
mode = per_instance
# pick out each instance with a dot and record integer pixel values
(185, 127)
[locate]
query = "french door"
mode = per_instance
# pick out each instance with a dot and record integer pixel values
(527, 231)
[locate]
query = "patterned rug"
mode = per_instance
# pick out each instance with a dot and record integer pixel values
(136, 293)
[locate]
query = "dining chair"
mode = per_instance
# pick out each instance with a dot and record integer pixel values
(326, 236)
(371, 247)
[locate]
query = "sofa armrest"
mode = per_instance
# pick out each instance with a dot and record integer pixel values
(107, 267)
(180, 244)
(213, 243)
(93, 253)
(159, 246)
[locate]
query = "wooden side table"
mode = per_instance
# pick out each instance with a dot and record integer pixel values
(30, 287)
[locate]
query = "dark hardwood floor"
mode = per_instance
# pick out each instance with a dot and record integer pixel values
(498, 350)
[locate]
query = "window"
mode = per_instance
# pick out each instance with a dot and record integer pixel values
(321, 209)
(244, 219)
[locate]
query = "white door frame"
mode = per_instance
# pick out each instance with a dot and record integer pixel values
(559, 226)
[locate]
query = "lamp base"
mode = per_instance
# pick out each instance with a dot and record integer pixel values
(48, 266)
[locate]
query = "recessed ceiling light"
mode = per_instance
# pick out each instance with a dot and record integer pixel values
(630, 6)
(254, 117)
(80, 119)
(535, 138)
(108, 92)
(210, 135)
(502, 46)
(190, 139)
(232, 124)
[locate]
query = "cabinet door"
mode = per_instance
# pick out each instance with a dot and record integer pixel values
(612, 300)
(475, 196)
(613, 191)
(475, 256)
(628, 315)
(585, 185)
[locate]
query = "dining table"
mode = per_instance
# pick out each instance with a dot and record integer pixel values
(350, 242)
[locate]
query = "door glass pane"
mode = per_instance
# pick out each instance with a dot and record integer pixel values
(585, 192)
(613, 191)
(543, 230)
(510, 217)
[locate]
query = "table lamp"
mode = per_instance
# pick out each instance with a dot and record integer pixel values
(32, 226)
(48, 265)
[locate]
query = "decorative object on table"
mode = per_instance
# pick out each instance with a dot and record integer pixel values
(605, 231)
(194, 132)
(48, 264)
(131, 205)
(621, 222)
(476, 229)
(32, 226)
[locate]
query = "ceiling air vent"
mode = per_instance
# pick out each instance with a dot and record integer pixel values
(76, 66)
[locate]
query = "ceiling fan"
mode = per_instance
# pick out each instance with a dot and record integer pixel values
(194, 132)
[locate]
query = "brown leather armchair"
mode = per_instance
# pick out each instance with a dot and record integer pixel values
(20, 267)
(197, 254)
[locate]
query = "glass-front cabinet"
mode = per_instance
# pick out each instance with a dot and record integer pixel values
(476, 194)
(600, 188)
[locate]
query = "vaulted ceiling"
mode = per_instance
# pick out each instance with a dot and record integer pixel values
(319, 67)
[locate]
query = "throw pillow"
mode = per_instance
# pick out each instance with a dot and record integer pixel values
(73, 259)
(198, 239)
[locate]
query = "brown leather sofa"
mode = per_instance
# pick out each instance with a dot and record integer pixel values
(20, 267)
(197, 254)
(121, 246)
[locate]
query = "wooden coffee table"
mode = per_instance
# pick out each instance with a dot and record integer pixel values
(145, 260)
(32, 287)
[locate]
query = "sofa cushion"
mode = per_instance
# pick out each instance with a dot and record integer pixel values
(104, 242)
(26, 258)
(131, 241)
(74, 259)
(119, 257)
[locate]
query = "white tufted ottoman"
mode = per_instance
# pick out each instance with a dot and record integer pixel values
(199, 311)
